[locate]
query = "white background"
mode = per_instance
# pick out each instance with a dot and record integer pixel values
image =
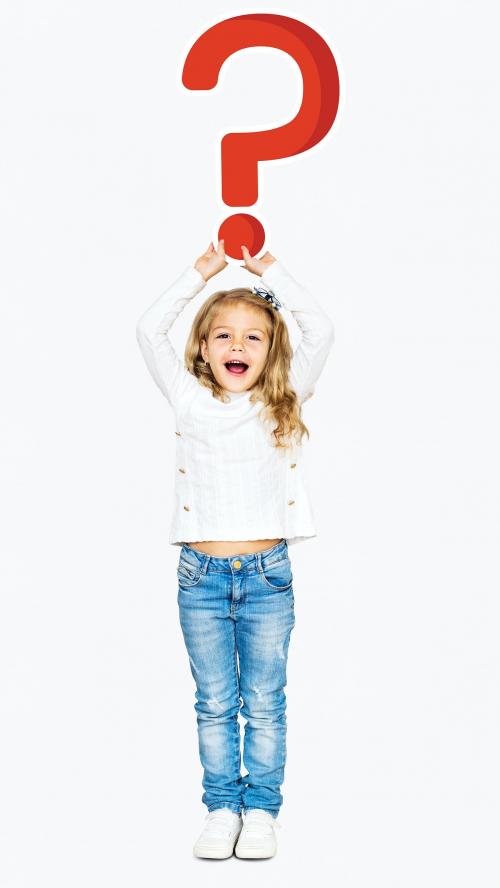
(109, 189)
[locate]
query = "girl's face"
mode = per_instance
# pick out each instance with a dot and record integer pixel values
(238, 333)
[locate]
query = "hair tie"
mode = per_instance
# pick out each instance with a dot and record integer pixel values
(268, 295)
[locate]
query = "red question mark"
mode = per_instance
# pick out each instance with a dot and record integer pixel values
(241, 152)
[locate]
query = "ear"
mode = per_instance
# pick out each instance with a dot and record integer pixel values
(203, 349)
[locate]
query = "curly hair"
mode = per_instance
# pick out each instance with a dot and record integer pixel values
(280, 402)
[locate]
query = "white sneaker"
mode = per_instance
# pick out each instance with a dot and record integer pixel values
(257, 838)
(218, 837)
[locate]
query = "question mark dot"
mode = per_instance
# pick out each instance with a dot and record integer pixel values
(242, 228)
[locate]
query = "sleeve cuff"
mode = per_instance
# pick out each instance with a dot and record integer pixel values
(194, 277)
(273, 274)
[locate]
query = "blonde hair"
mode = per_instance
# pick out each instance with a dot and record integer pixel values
(281, 404)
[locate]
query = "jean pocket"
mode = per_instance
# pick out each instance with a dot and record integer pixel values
(278, 575)
(188, 573)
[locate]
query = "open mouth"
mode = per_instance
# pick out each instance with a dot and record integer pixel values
(237, 368)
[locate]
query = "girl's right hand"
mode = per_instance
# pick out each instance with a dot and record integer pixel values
(211, 262)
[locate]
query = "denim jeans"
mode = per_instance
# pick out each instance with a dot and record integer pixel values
(236, 615)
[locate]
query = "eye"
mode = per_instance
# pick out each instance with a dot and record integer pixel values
(252, 336)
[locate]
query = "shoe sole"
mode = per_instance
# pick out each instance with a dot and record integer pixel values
(253, 853)
(213, 855)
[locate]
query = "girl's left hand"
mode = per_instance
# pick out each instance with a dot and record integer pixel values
(256, 266)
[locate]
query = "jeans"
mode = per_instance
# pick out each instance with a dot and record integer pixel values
(236, 615)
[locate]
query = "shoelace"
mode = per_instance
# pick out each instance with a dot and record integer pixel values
(217, 824)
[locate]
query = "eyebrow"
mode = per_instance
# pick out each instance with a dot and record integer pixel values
(228, 327)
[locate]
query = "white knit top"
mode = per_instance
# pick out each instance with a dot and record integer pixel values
(230, 482)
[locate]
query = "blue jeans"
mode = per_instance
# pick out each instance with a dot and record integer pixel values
(236, 615)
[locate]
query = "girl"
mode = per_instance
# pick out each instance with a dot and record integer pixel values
(240, 501)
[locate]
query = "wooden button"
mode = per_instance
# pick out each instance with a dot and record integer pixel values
(178, 433)
(186, 508)
(291, 502)
(292, 465)
(183, 471)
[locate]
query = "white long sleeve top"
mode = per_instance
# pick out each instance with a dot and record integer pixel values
(231, 483)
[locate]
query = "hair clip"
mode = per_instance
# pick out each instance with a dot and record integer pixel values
(268, 295)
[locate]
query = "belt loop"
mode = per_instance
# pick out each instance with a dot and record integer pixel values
(259, 561)
(204, 567)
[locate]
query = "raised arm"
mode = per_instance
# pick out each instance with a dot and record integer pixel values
(317, 328)
(162, 361)
(165, 367)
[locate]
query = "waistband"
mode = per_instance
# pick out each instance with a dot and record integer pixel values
(224, 563)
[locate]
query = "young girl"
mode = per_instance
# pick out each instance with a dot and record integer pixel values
(240, 501)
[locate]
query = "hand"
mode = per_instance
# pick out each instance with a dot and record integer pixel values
(211, 262)
(256, 266)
